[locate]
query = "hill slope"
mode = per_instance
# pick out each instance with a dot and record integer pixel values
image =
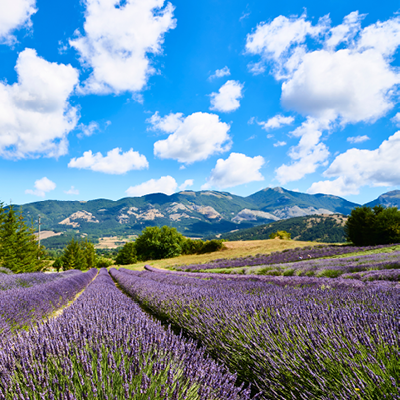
(316, 228)
(389, 199)
(195, 214)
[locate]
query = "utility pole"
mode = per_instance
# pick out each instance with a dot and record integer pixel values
(39, 236)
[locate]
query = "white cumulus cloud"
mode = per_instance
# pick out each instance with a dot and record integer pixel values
(308, 155)
(166, 184)
(115, 162)
(13, 15)
(276, 122)
(42, 186)
(72, 191)
(199, 136)
(346, 77)
(279, 143)
(356, 168)
(357, 139)
(90, 129)
(353, 83)
(186, 184)
(169, 124)
(119, 42)
(396, 119)
(35, 115)
(237, 169)
(227, 98)
(219, 73)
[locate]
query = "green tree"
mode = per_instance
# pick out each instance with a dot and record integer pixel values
(8, 237)
(19, 249)
(360, 227)
(155, 243)
(388, 226)
(73, 257)
(192, 246)
(281, 235)
(127, 254)
(30, 255)
(368, 226)
(104, 262)
(89, 253)
(58, 264)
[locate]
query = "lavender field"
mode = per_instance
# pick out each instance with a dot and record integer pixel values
(290, 342)
(285, 256)
(313, 333)
(105, 347)
(25, 299)
(369, 264)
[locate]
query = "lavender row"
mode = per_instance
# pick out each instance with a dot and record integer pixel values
(380, 275)
(105, 347)
(23, 307)
(292, 343)
(285, 256)
(279, 280)
(4, 270)
(332, 267)
(13, 281)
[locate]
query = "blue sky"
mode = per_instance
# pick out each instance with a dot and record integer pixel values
(109, 99)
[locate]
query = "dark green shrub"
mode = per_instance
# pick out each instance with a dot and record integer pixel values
(210, 246)
(104, 262)
(329, 273)
(289, 272)
(281, 235)
(127, 255)
(58, 264)
(155, 243)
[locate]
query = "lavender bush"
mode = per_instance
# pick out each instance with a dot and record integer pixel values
(290, 255)
(291, 342)
(379, 275)
(12, 281)
(333, 268)
(4, 270)
(105, 347)
(279, 280)
(22, 307)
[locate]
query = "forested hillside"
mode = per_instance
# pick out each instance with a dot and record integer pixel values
(317, 228)
(194, 214)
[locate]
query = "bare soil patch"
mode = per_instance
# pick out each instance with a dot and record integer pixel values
(112, 242)
(47, 234)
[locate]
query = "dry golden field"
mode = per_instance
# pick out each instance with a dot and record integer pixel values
(231, 250)
(112, 242)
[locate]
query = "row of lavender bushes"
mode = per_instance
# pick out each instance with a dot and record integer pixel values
(291, 342)
(25, 306)
(278, 257)
(378, 281)
(105, 347)
(13, 281)
(346, 267)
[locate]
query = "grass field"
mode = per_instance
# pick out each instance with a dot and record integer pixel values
(230, 250)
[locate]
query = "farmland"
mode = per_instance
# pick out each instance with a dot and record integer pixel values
(277, 324)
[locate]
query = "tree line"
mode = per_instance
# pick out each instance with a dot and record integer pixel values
(368, 226)
(19, 249)
(154, 243)
(20, 252)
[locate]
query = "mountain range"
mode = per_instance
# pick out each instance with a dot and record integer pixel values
(195, 214)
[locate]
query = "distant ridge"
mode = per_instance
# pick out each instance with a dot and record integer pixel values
(389, 199)
(316, 228)
(195, 214)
